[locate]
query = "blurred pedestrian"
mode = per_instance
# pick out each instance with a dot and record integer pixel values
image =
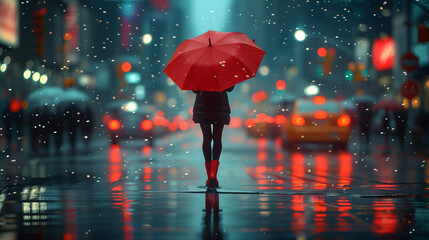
(87, 127)
(71, 116)
(212, 110)
(365, 119)
(401, 123)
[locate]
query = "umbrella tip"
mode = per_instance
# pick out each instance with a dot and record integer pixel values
(210, 42)
(253, 40)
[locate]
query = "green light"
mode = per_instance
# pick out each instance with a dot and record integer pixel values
(348, 75)
(364, 73)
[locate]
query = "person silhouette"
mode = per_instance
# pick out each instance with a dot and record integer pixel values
(212, 109)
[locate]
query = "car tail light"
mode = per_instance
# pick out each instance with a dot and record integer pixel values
(280, 119)
(114, 124)
(343, 121)
(146, 125)
(319, 100)
(320, 114)
(298, 120)
(249, 123)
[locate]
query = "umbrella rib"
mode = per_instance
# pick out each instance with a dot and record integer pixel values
(181, 55)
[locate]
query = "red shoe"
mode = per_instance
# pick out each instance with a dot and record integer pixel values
(213, 183)
(208, 165)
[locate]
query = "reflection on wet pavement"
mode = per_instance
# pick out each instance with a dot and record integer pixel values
(125, 192)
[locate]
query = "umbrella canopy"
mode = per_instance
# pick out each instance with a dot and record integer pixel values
(45, 96)
(388, 104)
(363, 99)
(74, 95)
(214, 61)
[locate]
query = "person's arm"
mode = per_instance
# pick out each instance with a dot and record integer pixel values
(230, 89)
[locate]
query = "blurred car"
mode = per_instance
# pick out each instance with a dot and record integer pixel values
(259, 126)
(318, 121)
(129, 120)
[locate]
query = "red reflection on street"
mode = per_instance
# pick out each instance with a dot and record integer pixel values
(320, 224)
(118, 194)
(345, 170)
(298, 206)
(262, 148)
(147, 177)
(385, 219)
(298, 171)
(321, 171)
(71, 231)
(147, 150)
(115, 169)
(344, 206)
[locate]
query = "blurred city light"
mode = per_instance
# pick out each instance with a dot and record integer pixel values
(3, 67)
(311, 90)
(280, 84)
(322, 52)
(126, 67)
(132, 77)
(264, 70)
(131, 106)
(147, 38)
(36, 76)
(300, 35)
(140, 92)
(43, 79)
(27, 74)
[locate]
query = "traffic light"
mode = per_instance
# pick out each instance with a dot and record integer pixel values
(356, 72)
(324, 67)
(39, 30)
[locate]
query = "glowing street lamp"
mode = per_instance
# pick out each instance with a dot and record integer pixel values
(147, 38)
(300, 35)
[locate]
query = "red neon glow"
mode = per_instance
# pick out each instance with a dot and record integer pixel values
(146, 125)
(126, 67)
(280, 119)
(343, 121)
(114, 124)
(319, 100)
(15, 105)
(297, 120)
(383, 54)
(183, 125)
(172, 127)
(280, 84)
(259, 96)
(322, 52)
(249, 123)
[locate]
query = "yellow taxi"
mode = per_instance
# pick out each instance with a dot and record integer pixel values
(318, 120)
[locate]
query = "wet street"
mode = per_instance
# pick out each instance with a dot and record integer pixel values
(134, 191)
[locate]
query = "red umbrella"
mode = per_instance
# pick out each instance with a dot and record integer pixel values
(214, 61)
(388, 104)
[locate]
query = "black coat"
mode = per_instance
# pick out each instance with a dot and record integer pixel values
(212, 107)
